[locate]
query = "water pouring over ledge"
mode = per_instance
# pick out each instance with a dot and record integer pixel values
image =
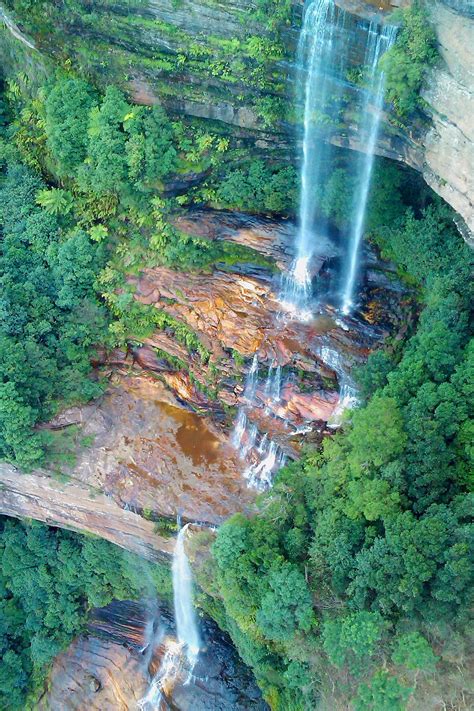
(380, 39)
(188, 643)
(321, 64)
(319, 50)
(185, 616)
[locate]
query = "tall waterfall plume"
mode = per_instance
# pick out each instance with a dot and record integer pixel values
(379, 39)
(320, 55)
(185, 617)
(180, 655)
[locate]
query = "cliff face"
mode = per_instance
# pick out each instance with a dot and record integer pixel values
(223, 62)
(110, 666)
(449, 143)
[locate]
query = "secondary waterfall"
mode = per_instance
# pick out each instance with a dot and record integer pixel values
(184, 613)
(188, 639)
(379, 40)
(320, 56)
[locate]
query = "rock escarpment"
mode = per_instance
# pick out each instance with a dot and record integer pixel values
(449, 143)
(78, 507)
(204, 60)
(159, 436)
(110, 666)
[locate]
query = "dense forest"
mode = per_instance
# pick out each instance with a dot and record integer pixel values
(349, 583)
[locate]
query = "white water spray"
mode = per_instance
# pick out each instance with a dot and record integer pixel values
(14, 30)
(319, 51)
(184, 613)
(380, 39)
(347, 389)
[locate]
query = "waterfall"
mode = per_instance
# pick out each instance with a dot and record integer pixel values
(187, 633)
(185, 616)
(321, 65)
(14, 30)
(379, 40)
(251, 380)
(347, 389)
(319, 51)
(239, 430)
(260, 475)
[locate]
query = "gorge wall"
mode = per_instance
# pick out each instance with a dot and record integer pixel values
(223, 63)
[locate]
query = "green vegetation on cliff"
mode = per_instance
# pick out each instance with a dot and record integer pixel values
(406, 63)
(85, 201)
(49, 581)
(354, 580)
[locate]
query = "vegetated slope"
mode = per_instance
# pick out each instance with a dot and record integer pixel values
(354, 581)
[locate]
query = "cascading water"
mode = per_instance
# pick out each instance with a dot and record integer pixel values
(188, 639)
(347, 388)
(319, 92)
(380, 39)
(321, 65)
(185, 616)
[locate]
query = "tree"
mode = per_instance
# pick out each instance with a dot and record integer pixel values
(413, 651)
(106, 169)
(352, 638)
(286, 607)
(383, 693)
(68, 105)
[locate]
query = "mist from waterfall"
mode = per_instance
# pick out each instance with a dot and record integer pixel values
(380, 39)
(320, 55)
(187, 630)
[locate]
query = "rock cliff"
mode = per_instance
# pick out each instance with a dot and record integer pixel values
(159, 436)
(206, 60)
(110, 666)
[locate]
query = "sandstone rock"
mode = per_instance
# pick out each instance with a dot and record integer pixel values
(79, 507)
(109, 668)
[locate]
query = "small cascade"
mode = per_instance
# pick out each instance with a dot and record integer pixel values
(250, 442)
(272, 389)
(379, 40)
(347, 389)
(276, 385)
(240, 429)
(164, 679)
(260, 475)
(185, 616)
(251, 380)
(263, 444)
(320, 52)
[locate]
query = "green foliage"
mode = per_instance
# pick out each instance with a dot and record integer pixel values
(385, 205)
(55, 201)
(259, 189)
(68, 105)
(50, 318)
(376, 521)
(384, 693)
(49, 579)
(405, 63)
(356, 635)
(413, 651)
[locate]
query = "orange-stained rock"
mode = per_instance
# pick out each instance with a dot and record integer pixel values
(149, 452)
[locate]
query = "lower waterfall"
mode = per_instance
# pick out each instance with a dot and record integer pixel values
(180, 655)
